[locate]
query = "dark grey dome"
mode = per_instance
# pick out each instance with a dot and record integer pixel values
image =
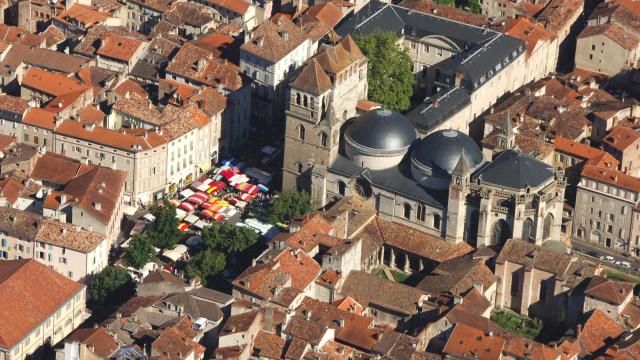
(441, 150)
(381, 130)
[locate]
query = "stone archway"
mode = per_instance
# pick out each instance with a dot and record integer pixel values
(546, 226)
(500, 232)
(528, 231)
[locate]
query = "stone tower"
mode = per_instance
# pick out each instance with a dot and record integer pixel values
(506, 139)
(457, 201)
(321, 98)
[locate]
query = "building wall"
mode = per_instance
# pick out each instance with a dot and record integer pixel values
(56, 327)
(598, 53)
(610, 309)
(604, 214)
(71, 263)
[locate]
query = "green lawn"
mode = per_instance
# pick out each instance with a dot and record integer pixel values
(517, 324)
(618, 275)
(399, 277)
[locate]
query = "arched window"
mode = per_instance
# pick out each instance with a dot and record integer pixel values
(421, 212)
(546, 228)
(436, 221)
(298, 98)
(301, 132)
(342, 187)
(595, 236)
(406, 211)
(306, 101)
(500, 232)
(528, 231)
(323, 139)
(300, 167)
(581, 232)
(344, 115)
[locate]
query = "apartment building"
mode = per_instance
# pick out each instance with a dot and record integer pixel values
(606, 209)
(244, 13)
(542, 47)
(65, 248)
(41, 306)
(624, 144)
(119, 53)
(610, 43)
(272, 52)
(144, 15)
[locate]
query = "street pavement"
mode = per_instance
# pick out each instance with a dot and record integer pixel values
(595, 251)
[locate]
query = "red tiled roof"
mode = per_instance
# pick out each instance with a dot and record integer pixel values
(469, 341)
(528, 31)
(51, 83)
(31, 293)
(621, 137)
(119, 47)
(592, 155)
(612, 177)
(103, 344)
(612, 291)
(448, 12)
(597, 331)
(237, 6)
(613, 31)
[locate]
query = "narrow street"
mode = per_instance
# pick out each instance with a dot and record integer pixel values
(595, 251)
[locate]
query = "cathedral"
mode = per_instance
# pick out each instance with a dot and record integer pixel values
(440, 184)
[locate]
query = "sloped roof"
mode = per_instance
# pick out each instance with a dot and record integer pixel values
(515, 170)
(312, 79)
(31, 293)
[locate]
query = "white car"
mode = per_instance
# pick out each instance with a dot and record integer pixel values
(625, 264)
(608, 258)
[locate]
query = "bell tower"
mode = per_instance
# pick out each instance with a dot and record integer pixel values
(457, 201)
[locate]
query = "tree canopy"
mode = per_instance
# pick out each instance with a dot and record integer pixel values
(288, 205)
(163, 231)
(228, 238)
(139, 252)
(113, 285)
(390, 72)
(205, 264)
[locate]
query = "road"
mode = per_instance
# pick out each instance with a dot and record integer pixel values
(592, 250)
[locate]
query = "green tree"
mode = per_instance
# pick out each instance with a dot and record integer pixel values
(288, 205)
(227, 238)
(163, 231)
(474, 6)
(205, 264)
(139, 252)
(390, 72)
(113, 285)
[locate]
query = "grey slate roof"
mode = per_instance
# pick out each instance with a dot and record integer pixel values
(515, 170)
(394, 179)
(442, 149)
(430, 115)
(383, 130)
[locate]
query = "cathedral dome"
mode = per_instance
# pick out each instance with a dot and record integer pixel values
(379, 139)
(381, 131)
(434, 157)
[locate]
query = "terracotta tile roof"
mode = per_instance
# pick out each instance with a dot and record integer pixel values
(57, 169)
(189, 13)
(127, 140)
(312, 232)
(158, 5)
(597, 331)
(328, 13)
(197, 64)
(457, 276)
(592, 155)
(55, 199)
(240, 322)
(103, 344)
(16, 35)
(82, 14)
(614, 32)
(221, 45)
(52, 36)
(312, 79)
(13, 104)
(10, 189)
(273, 42)
(366, 105)
(268, 345)
(91, 41)
(329, 278)
(32, 293)
(621, 137)
(528, 31)
(51, 83)
(532, 256)
(45, 58)
(98, 191)
(270, 275)
(612, 291)
(372, 289)
(95, 76)
(631, 314)
(348, 304)
(91, 115)
(447, 12)
(417, 242)
(40, 118)
(236, 6)
(313, 318)
(119, 47)
(210, 101)
(557, 15)
(520, 347)
(612, 177)
(173, 344)
(177, 92)
(471, 342)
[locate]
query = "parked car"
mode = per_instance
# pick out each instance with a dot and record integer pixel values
(607, 258)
